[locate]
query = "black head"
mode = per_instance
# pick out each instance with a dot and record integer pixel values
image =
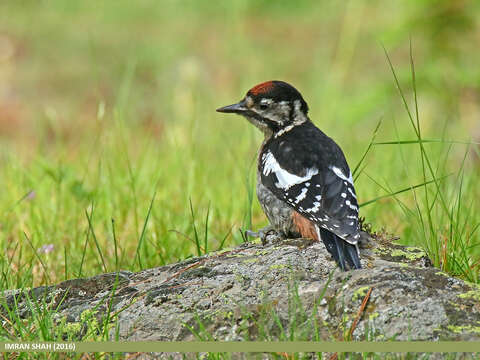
(271, 106)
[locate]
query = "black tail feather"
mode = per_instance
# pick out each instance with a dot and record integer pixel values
(329, 241)
(352, 255)
(340, 250)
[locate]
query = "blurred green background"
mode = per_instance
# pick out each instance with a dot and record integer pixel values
(108, 108)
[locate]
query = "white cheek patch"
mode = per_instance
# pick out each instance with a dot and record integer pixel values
(277, 114)
(285, 179)
(299, 116)
(341, 175)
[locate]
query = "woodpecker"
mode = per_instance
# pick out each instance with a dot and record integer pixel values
(304, 184)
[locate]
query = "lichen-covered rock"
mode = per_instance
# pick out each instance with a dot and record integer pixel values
(278, 291)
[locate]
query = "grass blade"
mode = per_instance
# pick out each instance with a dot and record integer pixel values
(229, 232)
(89, 218)
(375, 132)
(195, 232)
(400, 191)
(144, 229)
(205, 240)
(115, 244)
(38, 257)
(425, 141)
(84, 251)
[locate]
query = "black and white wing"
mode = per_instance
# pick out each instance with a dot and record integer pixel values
(310, 174)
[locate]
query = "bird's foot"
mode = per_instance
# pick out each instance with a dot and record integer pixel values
(265, 234)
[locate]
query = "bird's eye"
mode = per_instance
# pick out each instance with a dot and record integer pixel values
(263, 106)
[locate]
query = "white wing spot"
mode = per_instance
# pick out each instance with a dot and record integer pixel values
(353, 207)
(341, 175)
(351, 192)
(301, 196)
(344, 195)
(316, 206)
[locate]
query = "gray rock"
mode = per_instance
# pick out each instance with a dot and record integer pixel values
(278, 291)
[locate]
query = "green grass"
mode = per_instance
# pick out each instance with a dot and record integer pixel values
(111, 150)
(45, 324)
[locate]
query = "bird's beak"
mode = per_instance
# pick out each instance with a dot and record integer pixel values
(237, 108)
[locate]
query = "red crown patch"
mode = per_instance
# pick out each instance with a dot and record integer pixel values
(261, 88)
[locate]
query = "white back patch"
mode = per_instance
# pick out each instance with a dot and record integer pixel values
(285, 179)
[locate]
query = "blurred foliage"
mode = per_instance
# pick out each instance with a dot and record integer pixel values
(102, 101)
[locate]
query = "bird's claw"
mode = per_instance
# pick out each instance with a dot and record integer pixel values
(253, 234)
(262, 234)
